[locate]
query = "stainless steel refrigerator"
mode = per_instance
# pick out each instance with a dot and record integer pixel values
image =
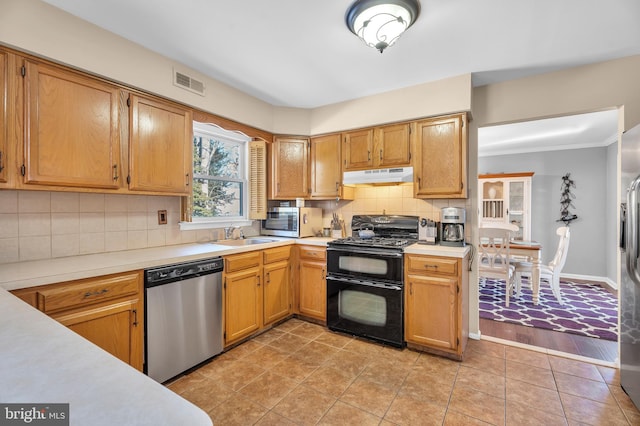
(630, 266)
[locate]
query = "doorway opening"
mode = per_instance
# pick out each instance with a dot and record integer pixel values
(584, 146)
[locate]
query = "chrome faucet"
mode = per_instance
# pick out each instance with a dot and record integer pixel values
(228, 232)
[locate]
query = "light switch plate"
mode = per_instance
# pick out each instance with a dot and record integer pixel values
(162, 217)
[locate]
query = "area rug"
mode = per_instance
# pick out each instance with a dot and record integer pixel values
(588, 310)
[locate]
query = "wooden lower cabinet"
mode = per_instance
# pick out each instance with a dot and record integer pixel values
(436, 304)
(277, 284)
(242, 304)
(312, 284)
(257, 287)
(106, 310)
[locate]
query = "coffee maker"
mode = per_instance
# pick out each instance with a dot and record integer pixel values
(452, 226)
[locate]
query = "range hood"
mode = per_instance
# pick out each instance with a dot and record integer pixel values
(378, 176)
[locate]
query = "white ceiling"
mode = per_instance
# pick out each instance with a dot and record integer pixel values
(595, 129)
(299, 53)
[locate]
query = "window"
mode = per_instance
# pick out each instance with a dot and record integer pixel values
(220, 174)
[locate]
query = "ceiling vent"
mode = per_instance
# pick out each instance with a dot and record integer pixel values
(189, 83)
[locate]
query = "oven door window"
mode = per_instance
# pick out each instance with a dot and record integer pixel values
(363, 308)
(359, 265)
(365, 265)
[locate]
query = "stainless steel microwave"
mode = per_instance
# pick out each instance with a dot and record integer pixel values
(295, 222)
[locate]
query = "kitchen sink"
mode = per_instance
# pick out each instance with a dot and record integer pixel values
(245, 242)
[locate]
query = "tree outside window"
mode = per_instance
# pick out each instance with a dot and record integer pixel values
(218, 174)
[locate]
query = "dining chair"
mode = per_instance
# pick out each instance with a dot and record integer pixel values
(550, 272)
(494, 258)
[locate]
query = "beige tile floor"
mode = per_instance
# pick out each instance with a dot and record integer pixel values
(300, 373)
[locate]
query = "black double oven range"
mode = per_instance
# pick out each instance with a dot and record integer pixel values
(365, 277)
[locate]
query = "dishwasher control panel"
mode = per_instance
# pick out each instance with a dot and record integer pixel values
(182, 271)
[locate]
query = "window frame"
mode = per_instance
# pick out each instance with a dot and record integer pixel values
(214, 131)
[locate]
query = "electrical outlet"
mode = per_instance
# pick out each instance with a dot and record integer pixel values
(162, 217)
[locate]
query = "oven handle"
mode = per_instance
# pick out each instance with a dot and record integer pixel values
(375, 252)
(366, 283)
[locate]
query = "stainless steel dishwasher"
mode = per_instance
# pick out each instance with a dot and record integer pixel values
(183, 312)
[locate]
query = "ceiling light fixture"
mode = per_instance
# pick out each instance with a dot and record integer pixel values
(379, 23)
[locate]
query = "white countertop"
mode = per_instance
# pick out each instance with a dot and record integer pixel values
(437, 250)
(45, 362)
(39, 272)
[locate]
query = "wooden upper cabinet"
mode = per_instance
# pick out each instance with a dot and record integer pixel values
(71, 129)
(289, 165)
(357, 150)
(440, 165)
(4, 115)
(380, 147)
(160, 146)
(393, 145)
(326, 175)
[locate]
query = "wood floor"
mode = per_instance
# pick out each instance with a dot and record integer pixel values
(565, 342)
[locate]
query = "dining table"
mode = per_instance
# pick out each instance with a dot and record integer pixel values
(532, 251)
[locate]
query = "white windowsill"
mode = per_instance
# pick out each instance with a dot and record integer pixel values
(189, 226)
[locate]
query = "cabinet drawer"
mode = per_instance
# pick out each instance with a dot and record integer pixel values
(85, 292)
(238, 262)
(315, 253)
(439, 265)
(276, 254)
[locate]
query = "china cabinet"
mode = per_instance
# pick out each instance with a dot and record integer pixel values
(505, 198)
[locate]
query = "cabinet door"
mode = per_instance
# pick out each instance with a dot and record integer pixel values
(312, 290)
(277, 299)
(116, 328)
(289, 165)
(441, 158)
(393, 145)
(357, 150)
(431, 311)
(242, 304)
(160, 146)
(4, 115)
(326, 176)
(71, 129)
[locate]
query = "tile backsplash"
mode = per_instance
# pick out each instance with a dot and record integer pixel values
(393, 199)
(42, 225)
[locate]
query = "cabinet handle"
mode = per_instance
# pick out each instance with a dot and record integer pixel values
(323, 274)
(1, 166)
(268, 277)
(411, 289)
(369, 155)
(337, 183)
(419, 182)
(258, 277)
(380, 154)
(115, 172)
(135, 317)
(187, 179)
(431, 266)
(95, 293)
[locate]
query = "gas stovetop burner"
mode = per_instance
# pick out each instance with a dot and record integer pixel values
(381, 242)
(391, 232)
